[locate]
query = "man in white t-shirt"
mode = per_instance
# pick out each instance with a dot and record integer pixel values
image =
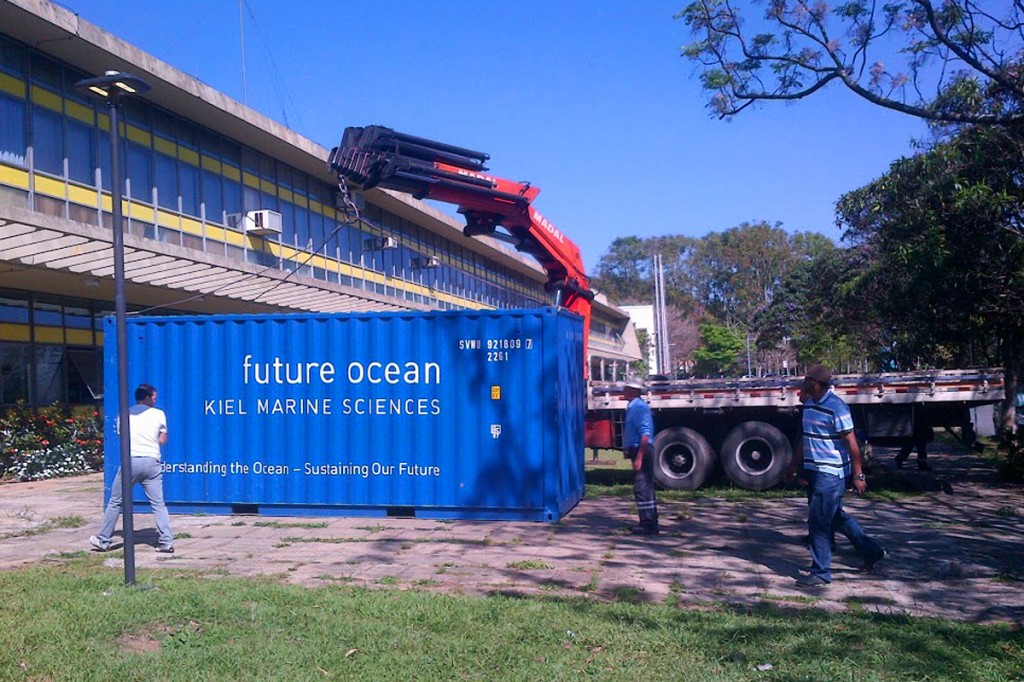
(147, 431)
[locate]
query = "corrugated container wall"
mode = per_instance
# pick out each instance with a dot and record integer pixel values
(471, 415)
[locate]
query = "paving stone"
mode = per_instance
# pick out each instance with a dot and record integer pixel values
(955, 555)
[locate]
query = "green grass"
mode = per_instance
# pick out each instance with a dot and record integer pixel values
(292, 524)
(529, 565)
(46, 527)
(75, 621)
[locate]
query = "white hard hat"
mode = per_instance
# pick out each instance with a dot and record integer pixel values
(636, 383)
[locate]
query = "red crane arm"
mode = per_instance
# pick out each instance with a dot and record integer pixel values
(375, 156)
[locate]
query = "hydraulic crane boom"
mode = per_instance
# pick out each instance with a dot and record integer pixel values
(375, 156)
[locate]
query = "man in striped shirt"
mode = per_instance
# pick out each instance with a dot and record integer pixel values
(829, 454)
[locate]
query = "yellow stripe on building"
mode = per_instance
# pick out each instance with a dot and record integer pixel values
(165, 147)
(141, 212)
(12, 86)
(83, 196)
(139, 136)
(13, 177)
(189, 156)
(191, 226)
(235, 238)
(167, 219)
(49, 187)
(13, 332)
(49, 334)
(212, 165)
(80, 112)
(47, 99)
(79, 337)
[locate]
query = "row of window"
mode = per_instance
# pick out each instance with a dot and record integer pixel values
(174, 165)
(50, 349)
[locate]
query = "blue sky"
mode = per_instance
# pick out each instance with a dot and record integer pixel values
(587, 99)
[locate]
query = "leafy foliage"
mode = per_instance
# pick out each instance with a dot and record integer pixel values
(725, 278)
(945, 245)
(719, 352)
(49, 443)
(814, 313)
(951, 61)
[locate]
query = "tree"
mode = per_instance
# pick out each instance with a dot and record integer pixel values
(819, 315)
(624, 273)
(954, 61)
(739, 270)
(727, 276)
(944, 235)
(719, 352)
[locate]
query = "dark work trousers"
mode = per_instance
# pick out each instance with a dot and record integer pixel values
(643, 490)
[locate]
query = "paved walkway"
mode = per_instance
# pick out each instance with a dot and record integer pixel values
(956, 551)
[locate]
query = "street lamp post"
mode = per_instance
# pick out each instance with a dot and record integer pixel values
(112, 87)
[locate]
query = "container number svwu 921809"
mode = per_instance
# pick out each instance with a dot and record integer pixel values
(498, 349)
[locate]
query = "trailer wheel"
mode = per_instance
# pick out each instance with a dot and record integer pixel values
(755, 455)
(683, 460)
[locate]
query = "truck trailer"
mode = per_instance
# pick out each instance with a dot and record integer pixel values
(749, 426)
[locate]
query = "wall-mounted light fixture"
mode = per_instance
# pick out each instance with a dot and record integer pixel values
(91, 282)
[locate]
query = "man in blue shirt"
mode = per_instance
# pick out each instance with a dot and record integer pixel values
(638, 446)
(829, 454)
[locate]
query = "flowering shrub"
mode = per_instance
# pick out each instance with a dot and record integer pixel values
(49, 443)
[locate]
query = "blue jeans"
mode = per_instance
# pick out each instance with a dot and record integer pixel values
(148, 472)
(825, 516)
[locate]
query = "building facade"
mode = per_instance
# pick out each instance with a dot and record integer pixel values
(198, 169)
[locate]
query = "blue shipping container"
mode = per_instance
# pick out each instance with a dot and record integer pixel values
(468, 415)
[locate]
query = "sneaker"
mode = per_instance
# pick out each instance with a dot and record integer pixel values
(869, 564)
(811, 581)
(98, 545)
(644, 530)
(164, 549)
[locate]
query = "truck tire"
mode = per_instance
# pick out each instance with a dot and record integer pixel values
(683, 460)
(755, 455)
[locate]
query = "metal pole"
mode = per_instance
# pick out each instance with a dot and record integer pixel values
(120, 313)
(748, 355)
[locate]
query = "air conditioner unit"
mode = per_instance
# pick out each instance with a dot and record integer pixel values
(425, 263)
(263, 222)
(380, 243)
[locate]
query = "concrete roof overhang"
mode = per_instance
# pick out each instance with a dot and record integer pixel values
(58, 256)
